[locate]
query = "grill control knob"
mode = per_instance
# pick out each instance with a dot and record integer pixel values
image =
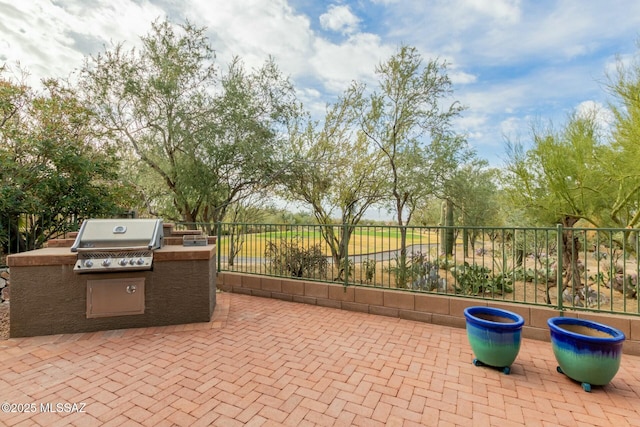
(123, 261)
(106, 262)
(88, 263)
(132, 261)
(140, 261)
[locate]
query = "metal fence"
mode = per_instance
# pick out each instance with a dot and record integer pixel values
(26, 232)
(578, 268)
(566, 268)
(20, 232)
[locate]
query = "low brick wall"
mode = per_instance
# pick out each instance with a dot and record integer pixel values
(429, 308)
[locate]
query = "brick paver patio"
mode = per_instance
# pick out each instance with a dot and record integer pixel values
(269, 362)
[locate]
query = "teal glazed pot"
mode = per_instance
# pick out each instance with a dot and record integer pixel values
(586, 351)
(495, 336)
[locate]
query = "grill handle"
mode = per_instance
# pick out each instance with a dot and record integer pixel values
(114, 249)
(76, 244)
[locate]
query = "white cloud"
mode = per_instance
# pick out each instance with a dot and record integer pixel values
(462, 78)
(471, 120)
(355, 59)
(497, 32)
(313, 100)
(500, 10)
(254, 30)
(513, 127)
(339, 18)
(51, 39)
(122, 20)
(592, 109)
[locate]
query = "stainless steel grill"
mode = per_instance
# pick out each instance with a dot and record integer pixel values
(105, 245)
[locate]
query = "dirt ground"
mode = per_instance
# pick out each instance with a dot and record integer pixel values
(4, 321)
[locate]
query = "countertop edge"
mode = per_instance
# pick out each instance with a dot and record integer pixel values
(63, 256)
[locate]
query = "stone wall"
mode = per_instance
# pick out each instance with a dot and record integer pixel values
(429, 308)
(4, 284)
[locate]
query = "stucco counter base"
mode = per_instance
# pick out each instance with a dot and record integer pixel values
(48, 297)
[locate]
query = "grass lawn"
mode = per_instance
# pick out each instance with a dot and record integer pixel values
(363, 241)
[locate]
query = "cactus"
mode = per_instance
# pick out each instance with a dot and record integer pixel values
(446, 233)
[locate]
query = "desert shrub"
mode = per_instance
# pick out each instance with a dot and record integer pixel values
(445, 262)
(532, 275)
(369, 269)
(415, 268)
(288, 257)
(474, 279)
(348, 267)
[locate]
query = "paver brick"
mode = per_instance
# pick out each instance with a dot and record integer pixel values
(268, 362)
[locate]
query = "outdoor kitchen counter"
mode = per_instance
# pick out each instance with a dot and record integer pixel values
(41, 257)
(176, 252)
(64, 256)
(48, 297)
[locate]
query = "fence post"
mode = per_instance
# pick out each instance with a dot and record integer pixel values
(559, 267)
(346, 256)
(218, 235)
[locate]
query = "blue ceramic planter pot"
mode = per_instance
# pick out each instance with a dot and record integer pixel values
(588, 352)
(494, 335)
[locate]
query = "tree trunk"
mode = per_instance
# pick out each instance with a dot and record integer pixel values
(450, 241)
(232, 248)
(465, 242)
(402, 259)
(570, 251)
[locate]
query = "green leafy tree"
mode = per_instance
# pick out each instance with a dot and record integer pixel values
(561, 180)
(238, 216)
(473, 191)
(54, 165)
(243, 154)
(622, 160)
(334, 171)
(429, 213)
(408, 120)
(208, 139)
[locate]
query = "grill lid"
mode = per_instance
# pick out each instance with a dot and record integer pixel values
(119, 234)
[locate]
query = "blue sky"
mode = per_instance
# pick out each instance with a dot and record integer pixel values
(512, 61)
